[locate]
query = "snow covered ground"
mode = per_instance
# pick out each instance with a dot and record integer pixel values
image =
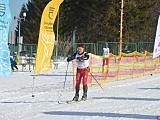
(130, 99)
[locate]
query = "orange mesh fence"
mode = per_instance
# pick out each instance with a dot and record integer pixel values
(139, 64)
(157, 63)
(126, 66)
(113, 67)
(98, 68)
(150, 66)
(119, 67)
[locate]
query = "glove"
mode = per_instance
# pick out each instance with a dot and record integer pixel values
(69, 59)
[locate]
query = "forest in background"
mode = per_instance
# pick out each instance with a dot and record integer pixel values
(95, 20)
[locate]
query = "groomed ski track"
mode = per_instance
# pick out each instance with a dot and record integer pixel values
(129, 99)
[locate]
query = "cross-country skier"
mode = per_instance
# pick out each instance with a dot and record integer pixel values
(82, 63)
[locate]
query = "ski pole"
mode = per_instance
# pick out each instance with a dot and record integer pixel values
(95, 79)
(65, 76)
(33, 87)
(93, 76)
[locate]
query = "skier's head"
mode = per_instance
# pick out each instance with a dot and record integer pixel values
(80, 49)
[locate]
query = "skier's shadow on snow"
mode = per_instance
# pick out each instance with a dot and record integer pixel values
(25, 102)
(100, 114)
(52, 75)
(150, 88)
(127, 98)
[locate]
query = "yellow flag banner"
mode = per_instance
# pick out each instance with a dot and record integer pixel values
(46, 37)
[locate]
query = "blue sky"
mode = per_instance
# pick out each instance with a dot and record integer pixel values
(15, 7)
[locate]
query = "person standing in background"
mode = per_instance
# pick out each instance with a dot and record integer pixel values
(14, 61)
(105, 56)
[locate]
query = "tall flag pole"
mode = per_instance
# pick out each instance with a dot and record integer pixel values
(121, 27)
(5, 21)
(46, 37)
(156, 51)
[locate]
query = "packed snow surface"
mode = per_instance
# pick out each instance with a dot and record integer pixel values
(28, 96)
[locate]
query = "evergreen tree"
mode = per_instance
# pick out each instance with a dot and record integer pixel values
(31, 26)
(95, 20)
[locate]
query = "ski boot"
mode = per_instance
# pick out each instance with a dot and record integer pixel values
(76, 97)
(84, 97)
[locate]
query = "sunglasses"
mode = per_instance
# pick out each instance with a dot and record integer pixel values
(80, 48)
